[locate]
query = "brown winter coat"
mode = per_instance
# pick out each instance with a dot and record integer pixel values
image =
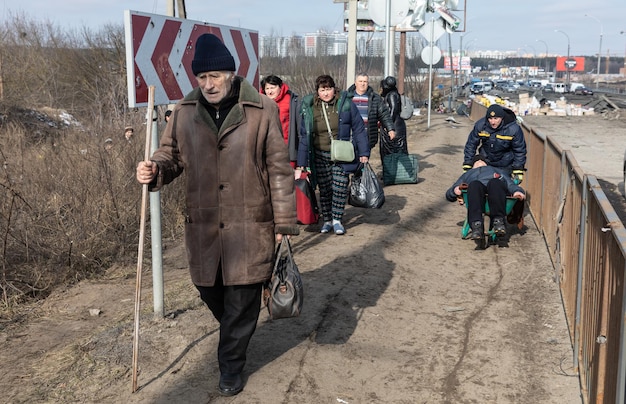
(240, 186)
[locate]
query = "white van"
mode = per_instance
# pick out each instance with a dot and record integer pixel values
(574, 86)
(560, 88)
(481, 87)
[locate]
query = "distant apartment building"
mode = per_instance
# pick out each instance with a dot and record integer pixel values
(325, 44)
(489, 54)
(333, 44)
(281, 46)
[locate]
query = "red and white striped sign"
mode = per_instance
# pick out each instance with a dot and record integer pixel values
(159, 51)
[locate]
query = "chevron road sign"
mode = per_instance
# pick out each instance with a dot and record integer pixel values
(159, 51)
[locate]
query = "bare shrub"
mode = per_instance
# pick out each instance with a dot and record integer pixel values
(82, 72)
(69, 207)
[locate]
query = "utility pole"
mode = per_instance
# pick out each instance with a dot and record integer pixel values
(452, 78)
(171, 8)
(401, 73)
(567, 59)
(182, 11)
(351, 59)
(599, 50)
(547, 68)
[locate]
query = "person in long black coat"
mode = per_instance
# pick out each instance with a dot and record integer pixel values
(388, 142)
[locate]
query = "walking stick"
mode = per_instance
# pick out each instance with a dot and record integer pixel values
(142, 228)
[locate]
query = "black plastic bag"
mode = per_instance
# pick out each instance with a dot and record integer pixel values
(365, 190)
(283, 294)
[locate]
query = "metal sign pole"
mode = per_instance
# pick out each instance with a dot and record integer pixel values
(430, 71)
(155, 232)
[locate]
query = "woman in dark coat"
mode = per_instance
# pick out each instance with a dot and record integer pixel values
(329, 113)
(397, 143)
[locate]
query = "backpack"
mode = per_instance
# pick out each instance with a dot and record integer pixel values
(406, 112)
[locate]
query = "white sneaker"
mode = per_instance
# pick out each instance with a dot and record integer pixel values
(327, 227)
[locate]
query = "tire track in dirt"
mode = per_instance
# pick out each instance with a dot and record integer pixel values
(451, 381)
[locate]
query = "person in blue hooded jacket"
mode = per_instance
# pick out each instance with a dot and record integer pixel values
(329, 113)
(500, 139)
(485, 183)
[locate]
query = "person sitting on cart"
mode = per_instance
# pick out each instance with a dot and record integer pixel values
(498, 137)
(485, 183)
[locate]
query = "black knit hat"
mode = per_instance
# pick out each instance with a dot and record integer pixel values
(211, 56)
(495, 111)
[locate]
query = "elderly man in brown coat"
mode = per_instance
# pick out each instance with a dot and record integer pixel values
(240, 195)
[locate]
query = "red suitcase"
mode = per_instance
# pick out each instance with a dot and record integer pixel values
(306, 202)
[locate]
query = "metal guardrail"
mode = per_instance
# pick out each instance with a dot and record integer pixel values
(586, 241)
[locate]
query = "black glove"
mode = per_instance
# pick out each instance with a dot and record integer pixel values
(518, 174)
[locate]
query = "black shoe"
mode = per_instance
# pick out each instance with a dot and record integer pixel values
(230, 384)
(498, 226)
(478, 231)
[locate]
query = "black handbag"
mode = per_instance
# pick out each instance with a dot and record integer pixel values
(283, 293)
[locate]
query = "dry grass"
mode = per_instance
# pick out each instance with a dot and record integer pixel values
(69, 208)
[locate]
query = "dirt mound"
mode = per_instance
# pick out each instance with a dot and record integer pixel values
(41, 124)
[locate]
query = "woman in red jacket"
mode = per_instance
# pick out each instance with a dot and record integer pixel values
(288, 106)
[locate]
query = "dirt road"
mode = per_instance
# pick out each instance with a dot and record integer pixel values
(399, 310)
(598, 145)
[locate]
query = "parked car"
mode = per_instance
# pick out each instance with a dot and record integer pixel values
(548, 88)
(583, 91)
(509, 88)
(514, 84)
(499, 83)
(481, 87)
(477, 88)
(574, 86)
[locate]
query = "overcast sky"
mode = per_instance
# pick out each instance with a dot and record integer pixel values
(523, 26)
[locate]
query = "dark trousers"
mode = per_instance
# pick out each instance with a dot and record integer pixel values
(237, 310)
(333, 183)
(477, 194)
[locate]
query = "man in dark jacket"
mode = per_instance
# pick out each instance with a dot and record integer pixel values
(500, 139)
(485, 183)
(240, 195)
(372, 107)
